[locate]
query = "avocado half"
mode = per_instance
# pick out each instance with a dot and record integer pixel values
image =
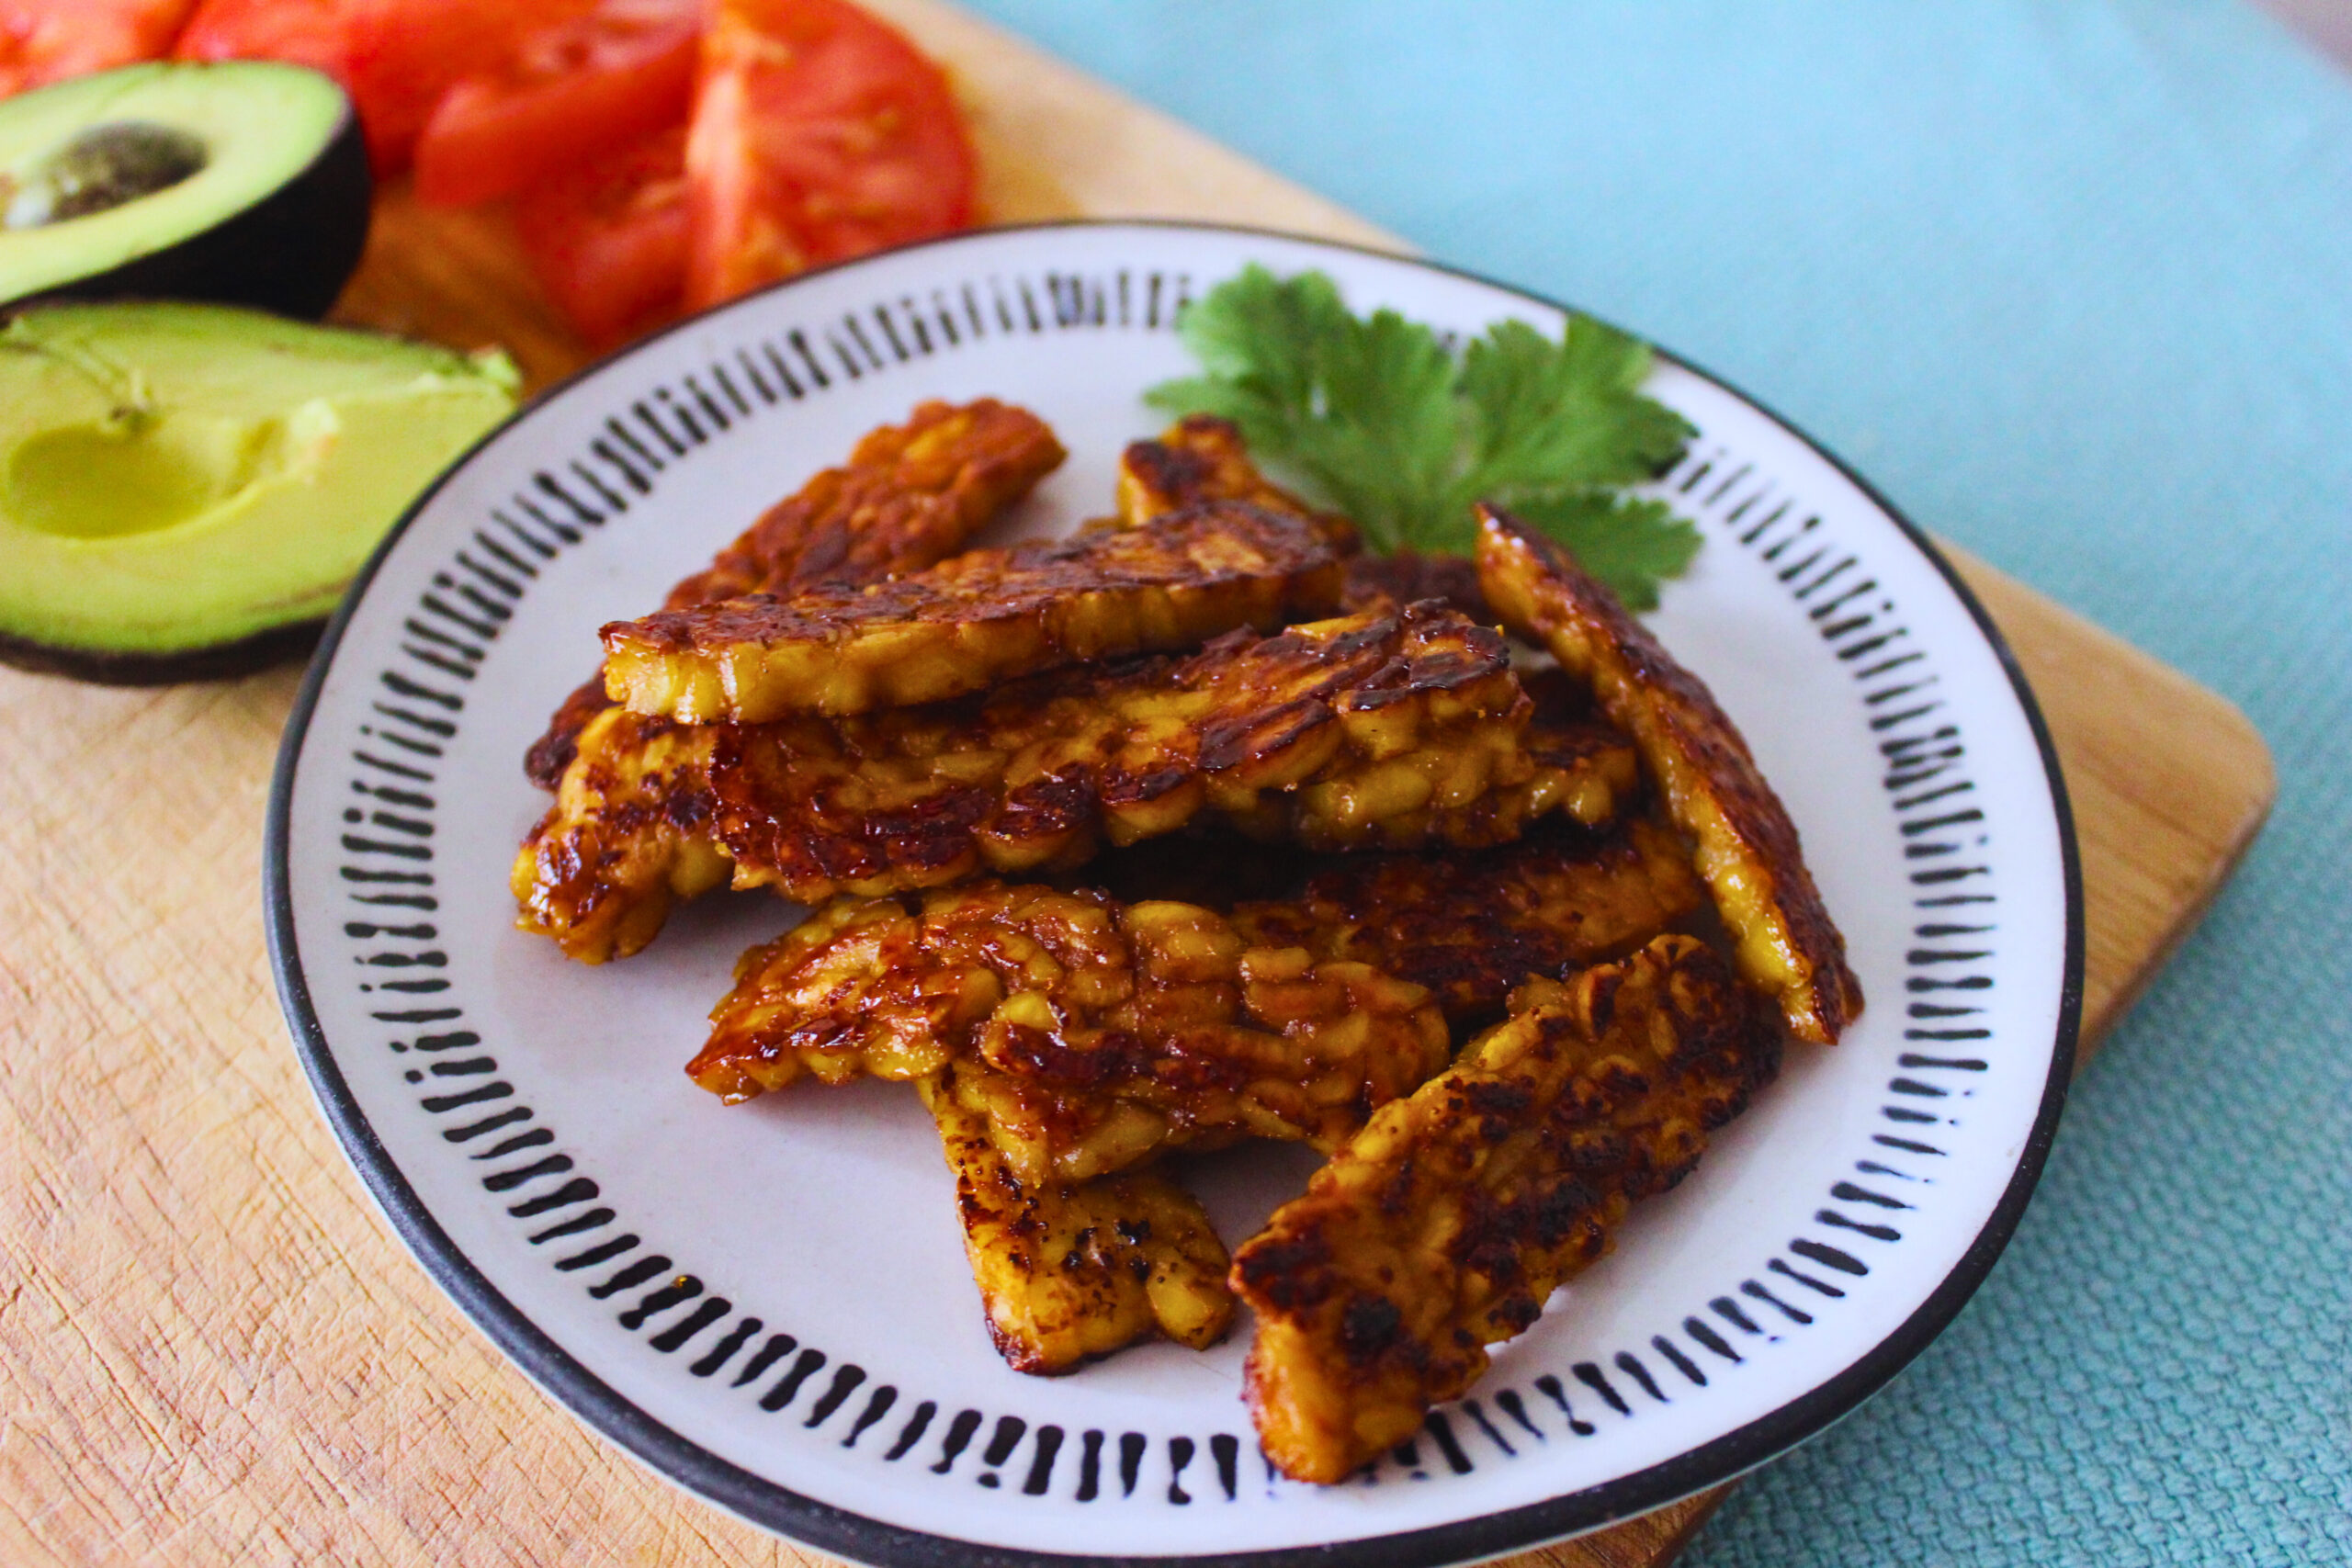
(244, 181)
(186, 490)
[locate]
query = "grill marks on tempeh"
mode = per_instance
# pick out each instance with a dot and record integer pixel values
(1388, 730)
(1442, 1226)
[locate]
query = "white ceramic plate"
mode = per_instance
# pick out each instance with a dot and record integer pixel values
(770, 1303)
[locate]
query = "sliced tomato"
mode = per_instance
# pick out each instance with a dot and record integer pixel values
(316, 33)
(818, 133)
(608, 239)
(47, 40)
(572, 90)
(406, 53)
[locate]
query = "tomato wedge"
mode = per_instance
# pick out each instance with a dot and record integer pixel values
(574, 89)
(608, 239)
(316, 33)
(406, 53)
(818, 133)
(50, 41)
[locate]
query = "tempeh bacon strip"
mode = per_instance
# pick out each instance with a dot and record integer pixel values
(1090, 1034)
(974, 619)
(1472, 927)
(910, 495)
(1442, 1226)
(1371, 732)
(1068, 1271)
(1747, 847)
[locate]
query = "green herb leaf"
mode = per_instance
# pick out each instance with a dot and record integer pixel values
(1401, 435)
(1631, 544)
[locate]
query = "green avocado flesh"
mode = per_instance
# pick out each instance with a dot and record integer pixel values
(175, 478)
(99, 172)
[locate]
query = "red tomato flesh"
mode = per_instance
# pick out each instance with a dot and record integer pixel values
(47, 40)
(406, 53)
(569, 91)
(608, 239)
(316, 33)
(818, 133)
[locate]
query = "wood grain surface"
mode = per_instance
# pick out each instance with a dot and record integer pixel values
(211, 1347)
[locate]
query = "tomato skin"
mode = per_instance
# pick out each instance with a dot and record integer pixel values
(569, 91)
(42, 42)
(607, 241)
(818, 133)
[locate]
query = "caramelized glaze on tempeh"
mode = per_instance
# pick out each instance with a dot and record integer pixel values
(910, 495)
(974, 619)
(1472, 927)
(1068, 1271)
(628, 835)
(1091, 1034)
(1202, 457)
(1374, 730)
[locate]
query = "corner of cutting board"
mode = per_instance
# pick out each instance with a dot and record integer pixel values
(2169, 781)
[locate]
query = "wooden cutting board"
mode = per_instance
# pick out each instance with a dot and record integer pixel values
(211, 1347)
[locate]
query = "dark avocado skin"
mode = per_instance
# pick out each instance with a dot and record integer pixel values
(291, 252)
(222, 662)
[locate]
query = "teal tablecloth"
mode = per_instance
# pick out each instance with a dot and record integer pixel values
(2073, 284)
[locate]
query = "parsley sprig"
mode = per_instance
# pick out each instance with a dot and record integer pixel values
(1402, 436)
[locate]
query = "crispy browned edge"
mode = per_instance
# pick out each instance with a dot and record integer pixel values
(1202, 457)
(1068, 1272)
(910, 495)
(1690, 746)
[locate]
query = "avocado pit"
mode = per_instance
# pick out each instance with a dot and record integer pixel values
(101, 169)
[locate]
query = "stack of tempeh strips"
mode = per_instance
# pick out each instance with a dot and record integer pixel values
(1198, 827)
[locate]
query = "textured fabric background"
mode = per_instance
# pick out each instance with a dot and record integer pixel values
(2072, 282)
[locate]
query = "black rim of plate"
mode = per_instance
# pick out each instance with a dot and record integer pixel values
(853, 1536)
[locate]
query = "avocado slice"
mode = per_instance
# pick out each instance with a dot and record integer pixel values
(186, 489)
(244, 181)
